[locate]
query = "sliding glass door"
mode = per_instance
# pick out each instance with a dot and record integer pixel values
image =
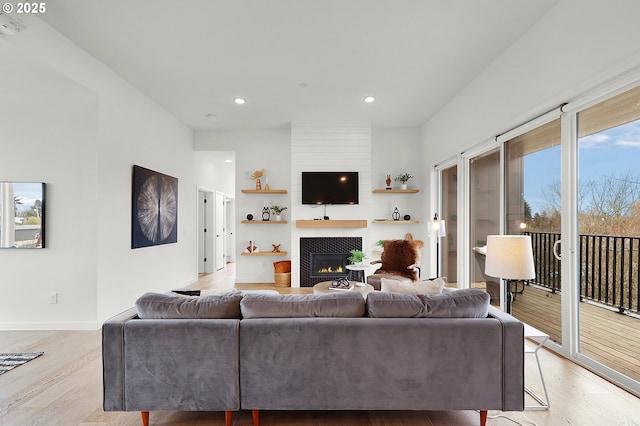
(532, 203)
(609, 232)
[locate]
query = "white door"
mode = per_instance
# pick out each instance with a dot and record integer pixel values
(205, 226)
(219, 231)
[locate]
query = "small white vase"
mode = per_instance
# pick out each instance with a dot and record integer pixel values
(277, 218)
(403, 186)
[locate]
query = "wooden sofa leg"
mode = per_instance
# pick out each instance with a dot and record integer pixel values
(256, 417)
(145, 418)
(483, 417)
(228, 417)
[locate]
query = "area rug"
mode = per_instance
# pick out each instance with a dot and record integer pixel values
(11, 361)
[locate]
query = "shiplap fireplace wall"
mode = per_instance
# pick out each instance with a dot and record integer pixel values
(328, 147)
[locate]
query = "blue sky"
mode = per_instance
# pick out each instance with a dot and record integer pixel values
(28, 193)
(612, 152)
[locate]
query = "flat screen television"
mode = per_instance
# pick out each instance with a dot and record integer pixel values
(329, 187)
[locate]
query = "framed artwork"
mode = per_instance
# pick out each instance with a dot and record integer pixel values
(154, 208)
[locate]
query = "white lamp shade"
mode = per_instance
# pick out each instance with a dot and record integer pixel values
(509, 257)
(437, 228)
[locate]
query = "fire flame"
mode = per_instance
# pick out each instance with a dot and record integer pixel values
(330, 270)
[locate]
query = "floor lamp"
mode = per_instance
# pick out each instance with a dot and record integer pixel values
(509, 257)
(437, 230)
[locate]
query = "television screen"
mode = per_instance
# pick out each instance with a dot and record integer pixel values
(329, 187)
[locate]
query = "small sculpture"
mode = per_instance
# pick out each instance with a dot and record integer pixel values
(396, 214)
(257, 175)
(249, 216)
(265, 214)
(276, 248)
(388, 181)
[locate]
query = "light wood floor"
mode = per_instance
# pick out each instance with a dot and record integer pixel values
(64, 387)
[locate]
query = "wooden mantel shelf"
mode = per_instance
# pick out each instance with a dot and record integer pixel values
(353, 223)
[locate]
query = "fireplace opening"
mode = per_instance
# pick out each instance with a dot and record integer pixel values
(328, 264)
(325, 258)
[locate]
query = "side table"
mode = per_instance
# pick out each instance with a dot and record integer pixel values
(538, 340)
(359, 269)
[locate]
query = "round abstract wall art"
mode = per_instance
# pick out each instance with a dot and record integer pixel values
(155, 208)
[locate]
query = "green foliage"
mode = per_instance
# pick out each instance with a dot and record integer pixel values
(277, 209)
(357, 256)
(403, 178)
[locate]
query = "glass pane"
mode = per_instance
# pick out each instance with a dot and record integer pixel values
(532, 185)
(609, 232)
(449, 180)
(484, 210)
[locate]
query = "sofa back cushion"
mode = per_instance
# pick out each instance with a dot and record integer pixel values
(430, 287)
(339, 304)
(168, 306)
(466, 303)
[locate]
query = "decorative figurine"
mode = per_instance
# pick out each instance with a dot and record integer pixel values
(249, 216)
(396, 214)
(276, 248)
(388, 181)
(257, 175)
(265, 213)
(407, 217)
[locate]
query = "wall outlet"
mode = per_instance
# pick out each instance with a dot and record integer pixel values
(53, 298)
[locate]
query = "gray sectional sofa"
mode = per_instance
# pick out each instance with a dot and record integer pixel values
(313, 352)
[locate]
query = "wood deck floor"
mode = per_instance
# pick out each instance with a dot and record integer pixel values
(606, 336)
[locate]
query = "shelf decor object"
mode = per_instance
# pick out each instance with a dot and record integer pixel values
(396, 214)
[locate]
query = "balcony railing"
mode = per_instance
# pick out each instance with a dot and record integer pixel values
(609, 272)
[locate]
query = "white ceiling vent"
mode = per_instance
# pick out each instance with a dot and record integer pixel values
(10, 24)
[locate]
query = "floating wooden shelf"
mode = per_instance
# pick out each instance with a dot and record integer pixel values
(397, 222)
(264, 191)
(395, 191)
(265, 253)
(264, 222)
(354, 223)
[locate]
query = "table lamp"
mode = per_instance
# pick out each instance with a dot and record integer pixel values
(509, 257)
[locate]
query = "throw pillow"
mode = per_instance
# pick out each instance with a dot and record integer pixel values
(341, 304)
(167, 306)
(418, 287)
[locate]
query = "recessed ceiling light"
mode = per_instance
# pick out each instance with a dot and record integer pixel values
(239, 101)
(369, 99)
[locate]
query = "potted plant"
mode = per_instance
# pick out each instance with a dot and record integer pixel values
(356, 257)
(277, 212)
(403, 179)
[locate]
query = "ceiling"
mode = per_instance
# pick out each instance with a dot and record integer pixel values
(296, 60)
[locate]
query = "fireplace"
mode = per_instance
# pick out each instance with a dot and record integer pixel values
(328, 264)
(325, 259)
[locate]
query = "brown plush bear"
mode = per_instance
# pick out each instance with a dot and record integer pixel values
(398, 256)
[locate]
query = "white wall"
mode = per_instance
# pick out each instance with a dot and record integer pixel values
(51, 138)
(86, 158)
(575, 47)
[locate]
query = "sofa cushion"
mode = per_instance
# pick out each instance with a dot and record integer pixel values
(168, 306)
(418, 287)
(339, 304)
(466, 303)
